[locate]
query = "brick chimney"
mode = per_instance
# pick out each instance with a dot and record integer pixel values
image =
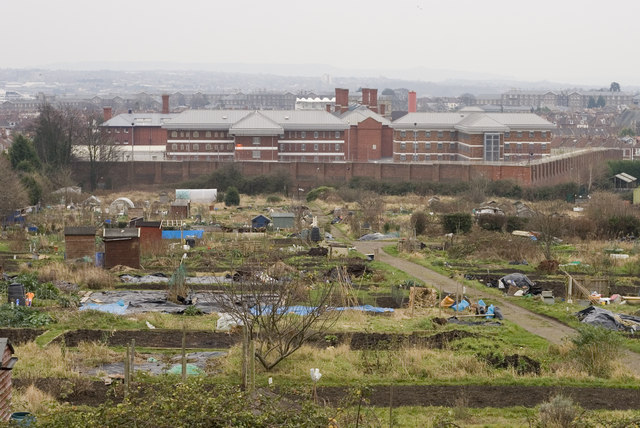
(413, 102)
(373, 100)
(342, 100)
(107, 113)
(165, 103)
(365, 96)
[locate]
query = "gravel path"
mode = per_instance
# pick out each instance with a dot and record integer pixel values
(545, 327)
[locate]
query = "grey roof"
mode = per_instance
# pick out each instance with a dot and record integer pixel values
(626, 177)
(256, 124)
(283, 215)
(295, 120)
(140, 119)
(79, 231)
(354, 117)
(206, 119)
(4, 342)
(115, 234)
(289, 120)
(473, 121)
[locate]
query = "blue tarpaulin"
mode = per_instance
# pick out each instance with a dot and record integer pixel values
(460, 306)
(113, 308)
(180, 234)
(306, 310)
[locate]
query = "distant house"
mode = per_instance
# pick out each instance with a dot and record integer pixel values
(283, 220)
(80, 242)
(121, 247)
(260, 222)
(8, 361)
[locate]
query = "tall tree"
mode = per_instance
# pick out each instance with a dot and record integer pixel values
(591, 103)
(56, 131)
(615, 87)
(12, 193)
(23, 155)
(97, 147)
(600, 102)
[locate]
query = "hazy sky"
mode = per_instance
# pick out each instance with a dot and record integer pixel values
(584, 42)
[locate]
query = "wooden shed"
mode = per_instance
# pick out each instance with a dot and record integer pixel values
(150, 235)
(80, 242)
(283, 220)
(180, 209)
(260, 222)
(8, 361)
(121, 247)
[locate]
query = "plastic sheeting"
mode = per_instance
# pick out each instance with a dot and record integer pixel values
(118, 308)
(600, 317)
(306, 310)
(181, 234)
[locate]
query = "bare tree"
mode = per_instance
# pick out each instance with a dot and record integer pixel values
(280, 315)
(12, 193)
(550, 224)
(98, 148)
(372, 206)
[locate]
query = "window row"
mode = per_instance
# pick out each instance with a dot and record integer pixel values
(316, 134)
(518, 147)
(427, 134)
(427, 146)
(303, 147)
(195, 147)
(196, 134)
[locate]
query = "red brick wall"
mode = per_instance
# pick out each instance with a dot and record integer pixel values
(551, 171)
(368, 135)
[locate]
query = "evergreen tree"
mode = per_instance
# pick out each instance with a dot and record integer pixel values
(23, 156)
(232, 197)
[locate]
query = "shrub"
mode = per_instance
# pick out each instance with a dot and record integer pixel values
(558, 412)
(457, 223)
(419, 222)
(318, 192)
(273, 199)
(232, 197)
(23, 316)
(516, 223)
(596, 349)
(493, 222)
(624, 225)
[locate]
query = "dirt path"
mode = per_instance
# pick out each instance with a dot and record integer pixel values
(545, 327)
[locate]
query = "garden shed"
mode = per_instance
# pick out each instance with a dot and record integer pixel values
(80, 242)
(121, 247)
(283, 220)
(150, 235)
(180, 209)
(8, 361)
(260, 222)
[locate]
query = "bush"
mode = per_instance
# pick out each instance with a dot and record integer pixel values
(419, 222)
(492, 222)
(273, 199)
(232, 197)
(166, 402)
(516, 223)
(596, 349)
(23, 316)
(457, 223)
(318, 192)
(558, 412)
(624, 225)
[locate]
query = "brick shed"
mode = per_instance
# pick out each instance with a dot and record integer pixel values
(180, 209)
(121, 247)
(80, 242)
(8, 361)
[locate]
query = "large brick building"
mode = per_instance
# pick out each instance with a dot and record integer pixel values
(141, 132)
(267, 135)
(471, 135)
